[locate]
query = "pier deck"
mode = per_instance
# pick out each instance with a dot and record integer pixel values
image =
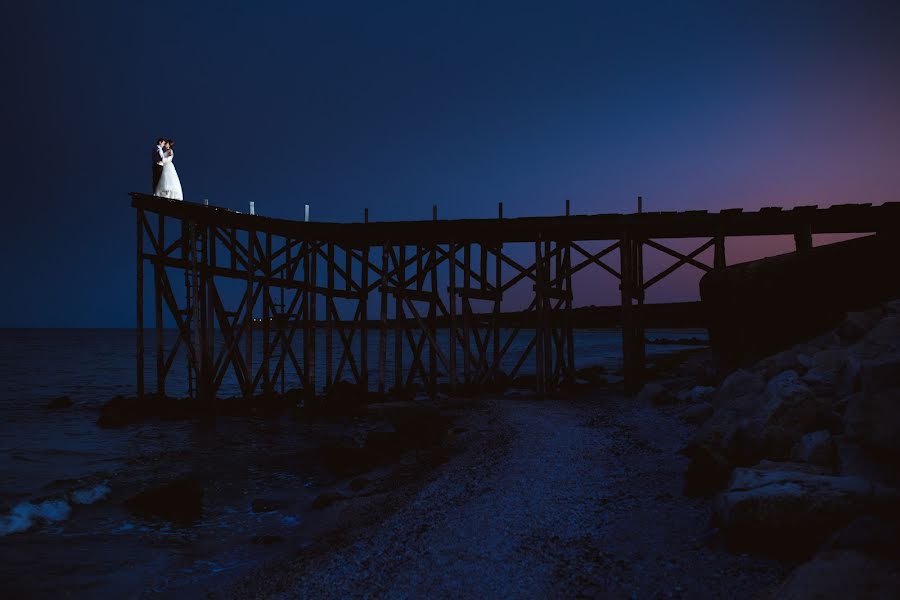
(413, 273)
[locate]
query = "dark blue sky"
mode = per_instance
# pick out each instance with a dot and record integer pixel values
(398, 106)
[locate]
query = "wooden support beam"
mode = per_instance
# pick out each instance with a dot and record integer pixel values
(139, 321)
(330, 308)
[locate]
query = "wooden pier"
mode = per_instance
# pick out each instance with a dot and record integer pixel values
(293, 275)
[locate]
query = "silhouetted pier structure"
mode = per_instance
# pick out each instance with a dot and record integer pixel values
(419, 271)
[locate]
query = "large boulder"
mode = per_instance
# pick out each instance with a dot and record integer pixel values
(418, 425)
(654, 393)
(857, 324)
(697, 413)
(344, 457)
(872, 416)
(842, 574)
(816, 448)
(789, 512)
(826, 364)
(753, 420)
(179, 501)
(859, 561)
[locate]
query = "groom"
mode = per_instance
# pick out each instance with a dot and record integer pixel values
(158, 154)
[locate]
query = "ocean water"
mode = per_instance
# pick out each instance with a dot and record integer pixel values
(62, 478)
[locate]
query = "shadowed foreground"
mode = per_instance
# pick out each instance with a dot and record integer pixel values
(549, 498)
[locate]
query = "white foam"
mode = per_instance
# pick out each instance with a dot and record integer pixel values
(25, 514)
(90, 495)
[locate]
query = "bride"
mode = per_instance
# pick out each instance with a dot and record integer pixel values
(169, 185)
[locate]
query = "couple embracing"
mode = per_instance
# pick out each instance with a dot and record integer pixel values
(165, 177)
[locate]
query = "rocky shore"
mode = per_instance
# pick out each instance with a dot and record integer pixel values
(800, 454)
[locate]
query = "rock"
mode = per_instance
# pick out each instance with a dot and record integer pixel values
(345, 398)
(874, 420)
(837, 575)
(797, 467)
(826, 364)
(262, 505)
(267, 540)
(59, 403)
(872, 416)
(654, 393)
(528, 382)
(708, 471)
(778, 362)
(344, 457)
(870, 534)
(791, 410)
(739, 392)
(595, 374)
(697, 413)
(359, 483)
(881, 374)
(122, 411)
(179, 501)
(881, 340)
(385, 446)
(857, 324)
(816, 448)
(702, 393)
(847, 379)
(805, 361)
(326, 499)
(788, 512)
(854, 459)
(419, 426)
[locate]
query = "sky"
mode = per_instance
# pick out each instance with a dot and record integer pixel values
(397, 106)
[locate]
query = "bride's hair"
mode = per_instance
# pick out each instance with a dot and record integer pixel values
(171, 143)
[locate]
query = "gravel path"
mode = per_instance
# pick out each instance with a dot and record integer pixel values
(555, 498)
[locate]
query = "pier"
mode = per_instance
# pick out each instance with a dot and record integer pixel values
(415, 275)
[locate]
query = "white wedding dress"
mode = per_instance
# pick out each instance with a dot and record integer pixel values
(169, 185)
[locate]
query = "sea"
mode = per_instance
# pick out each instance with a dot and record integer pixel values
(63, 530)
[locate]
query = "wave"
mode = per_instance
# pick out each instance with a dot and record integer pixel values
(26, 515)
(23, 516)
(90, 495)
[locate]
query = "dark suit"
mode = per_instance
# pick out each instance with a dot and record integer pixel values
(157, 169)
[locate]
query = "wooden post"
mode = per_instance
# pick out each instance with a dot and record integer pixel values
(139, 321)
(205, 379)
(209, 306)
(498, 283)
(539, 280)
(638, 319)
(309, 329)
(195, 308)
(451, 250)
(364, 312)
(382, 342)
(313, 318)
(547, 332)
(719, 253)
(158, 316)
(329, 322)
(803, 238)
(251, 267)
(432, 312)
(399, 320)
(626, 255)
(569, 333)
(467, 310)
(266, 313)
